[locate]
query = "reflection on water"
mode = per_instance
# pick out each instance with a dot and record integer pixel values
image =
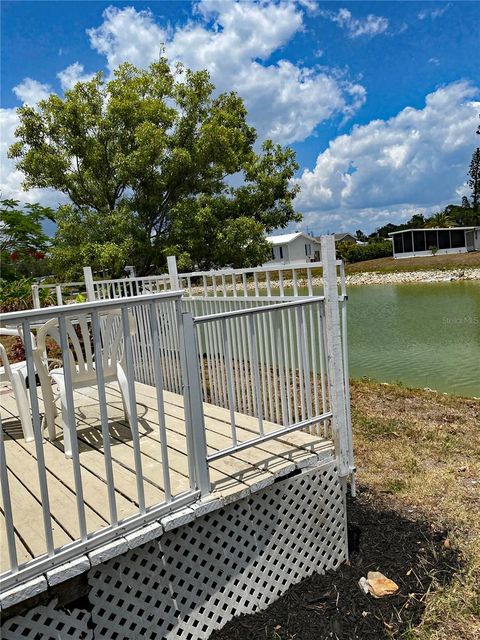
(423, 335)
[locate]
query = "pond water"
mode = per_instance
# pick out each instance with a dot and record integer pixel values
(423, 335)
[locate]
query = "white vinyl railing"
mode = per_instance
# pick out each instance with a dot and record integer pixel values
(299, 279)
(78, 358)
(276, 374)
(277, 354)
(268, 342)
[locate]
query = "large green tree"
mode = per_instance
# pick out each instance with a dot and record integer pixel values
(154, 162)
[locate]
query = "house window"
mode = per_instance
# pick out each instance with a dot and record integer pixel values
(308, 249)
(281, 252)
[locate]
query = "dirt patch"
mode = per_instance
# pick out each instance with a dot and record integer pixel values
(410, 551)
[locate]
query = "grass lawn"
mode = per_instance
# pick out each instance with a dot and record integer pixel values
(416, 519)
(447, 262)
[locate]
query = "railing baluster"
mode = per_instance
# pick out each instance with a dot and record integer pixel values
(293, 364)
(37, 435)
(158, 376)
(228, 366)
(234, 336)
(306, 362)
(309, 282)
(295, 282)
(264, 372)
(72, 425)
(132, 401)
(289, 385)
(279, 344)
(271, 333)
(256, 374)
(264, 347)
(281, 284)
(323, 364)
(7, 506)
(102, 404)
(247, 367)
(269, 284)
(313, 351)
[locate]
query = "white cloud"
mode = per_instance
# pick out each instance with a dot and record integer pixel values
(127, 34)
(10, 177)
(234, 41)
(433, 14)
(31, 91)
(72, 74)
(370, 26)
(416, 160)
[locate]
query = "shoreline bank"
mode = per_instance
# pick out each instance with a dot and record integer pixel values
(363, 278)
(406, 277)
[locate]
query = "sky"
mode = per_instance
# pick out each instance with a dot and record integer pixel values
(380, 100)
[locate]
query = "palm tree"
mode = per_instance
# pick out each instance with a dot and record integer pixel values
(440, 220)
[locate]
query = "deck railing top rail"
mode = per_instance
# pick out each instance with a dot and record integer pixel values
(85, 307)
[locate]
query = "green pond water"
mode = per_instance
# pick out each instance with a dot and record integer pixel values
(422, 335)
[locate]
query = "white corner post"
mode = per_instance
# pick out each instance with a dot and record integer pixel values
(35, 296)
(338, 392)
(173, 273)
(88, 277)
(194, 419)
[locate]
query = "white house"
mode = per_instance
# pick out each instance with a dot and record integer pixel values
(411, 243)
(289, 248)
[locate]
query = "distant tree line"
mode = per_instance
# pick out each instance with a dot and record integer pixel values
(154, 163)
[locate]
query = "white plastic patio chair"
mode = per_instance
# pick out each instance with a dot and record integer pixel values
(16, 374)
(82, 359)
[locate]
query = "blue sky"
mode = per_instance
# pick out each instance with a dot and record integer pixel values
(378, 99)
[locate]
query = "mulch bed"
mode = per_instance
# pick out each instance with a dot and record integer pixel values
(382, 537)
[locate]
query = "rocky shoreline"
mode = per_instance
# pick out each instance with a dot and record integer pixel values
(404, 277)
(363, 278)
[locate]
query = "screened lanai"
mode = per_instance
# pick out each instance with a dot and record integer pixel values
(422, 242)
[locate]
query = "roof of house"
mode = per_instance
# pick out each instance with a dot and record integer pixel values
(286, 238)
(435, 229)
(340, 236)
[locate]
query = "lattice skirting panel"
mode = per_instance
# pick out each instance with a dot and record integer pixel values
(196, 578)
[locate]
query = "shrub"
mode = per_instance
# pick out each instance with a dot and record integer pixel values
(359, 252)
(16, 295)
